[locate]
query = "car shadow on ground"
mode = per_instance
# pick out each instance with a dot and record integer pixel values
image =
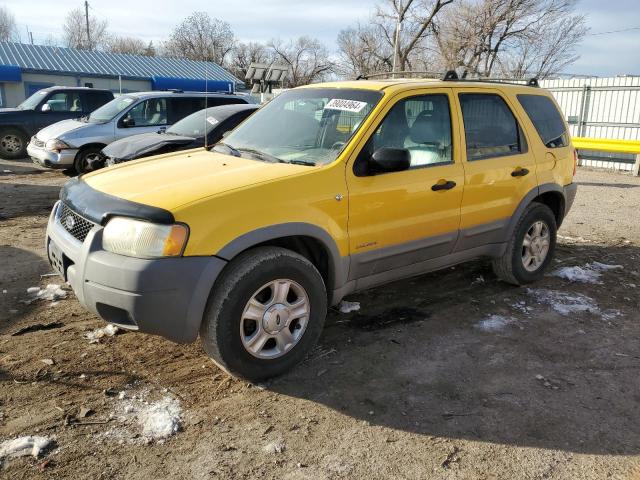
(23, 270)
(612, 185)
(415, 359)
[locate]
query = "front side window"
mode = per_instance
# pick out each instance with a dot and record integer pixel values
(421, 125)
(309, 126)
(149, 113)
(65, 102)
(546, 119)
(490, 128)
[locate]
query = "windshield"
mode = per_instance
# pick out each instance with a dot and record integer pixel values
(194, 125)
(109, 110)
(308, 126)
(32, 102)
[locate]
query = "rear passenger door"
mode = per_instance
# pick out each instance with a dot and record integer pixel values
(499, 168)
(180, 107)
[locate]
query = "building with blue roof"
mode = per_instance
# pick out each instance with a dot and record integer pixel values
(25, 69)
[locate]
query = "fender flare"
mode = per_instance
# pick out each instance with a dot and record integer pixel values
(526, 201)
(338, 265)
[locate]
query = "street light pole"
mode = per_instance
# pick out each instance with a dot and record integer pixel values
(396, 45)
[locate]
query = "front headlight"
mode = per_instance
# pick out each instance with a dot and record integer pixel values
(136, 238)
(55, 145)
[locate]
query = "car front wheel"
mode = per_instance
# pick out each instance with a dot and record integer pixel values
(13, 144)
(265, 313)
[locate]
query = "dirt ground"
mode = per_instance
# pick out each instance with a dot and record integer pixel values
(452, 375)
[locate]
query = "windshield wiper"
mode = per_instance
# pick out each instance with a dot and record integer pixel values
(231, 149)
(260, 155)
(299, 162)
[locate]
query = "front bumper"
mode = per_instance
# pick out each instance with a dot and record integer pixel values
(165, 297)
(47, 158)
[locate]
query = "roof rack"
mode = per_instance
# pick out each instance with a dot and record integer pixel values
(452, 76)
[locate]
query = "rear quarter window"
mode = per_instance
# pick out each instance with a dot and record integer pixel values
(546, 119)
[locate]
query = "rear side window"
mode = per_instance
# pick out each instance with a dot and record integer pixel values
(490, 128)
(545, 117)
(180, 107)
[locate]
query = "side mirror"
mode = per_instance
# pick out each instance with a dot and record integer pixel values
(387, 159)
(45, 108)
(128, 122)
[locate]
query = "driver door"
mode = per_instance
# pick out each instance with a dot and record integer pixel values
(147, 116)
(402, 218)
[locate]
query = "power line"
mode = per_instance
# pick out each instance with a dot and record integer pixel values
(616, 31)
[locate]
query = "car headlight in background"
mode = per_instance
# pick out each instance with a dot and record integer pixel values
(55, 145)
(136, 238)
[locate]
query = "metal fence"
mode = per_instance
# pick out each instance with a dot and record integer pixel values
(607, 108)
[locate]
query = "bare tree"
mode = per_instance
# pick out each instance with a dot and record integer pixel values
(362, 51)
(307, 58)
(8, 30)
(131, 45)
(244, 54)
(507, 36)
(75, 31)
(200, 37)
(405, 24)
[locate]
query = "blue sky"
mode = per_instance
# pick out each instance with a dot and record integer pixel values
(603, 55)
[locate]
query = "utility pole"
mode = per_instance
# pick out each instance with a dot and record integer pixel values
(396, 44)
(86, 16)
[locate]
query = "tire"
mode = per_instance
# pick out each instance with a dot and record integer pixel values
(81, 164)
(13, 143)
(510, 267)
(227, 329)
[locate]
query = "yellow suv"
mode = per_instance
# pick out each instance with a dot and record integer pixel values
(326, 190)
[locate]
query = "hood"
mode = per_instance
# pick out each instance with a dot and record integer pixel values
(133, 147)
(60, 128)
(177, 179)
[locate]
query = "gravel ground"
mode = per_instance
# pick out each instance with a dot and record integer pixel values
(452, 375)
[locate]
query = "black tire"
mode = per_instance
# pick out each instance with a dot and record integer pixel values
(81, 162)
(13, 143)
(510, 266)
(241, 279)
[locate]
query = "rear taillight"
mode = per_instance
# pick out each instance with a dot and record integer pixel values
(575, 161)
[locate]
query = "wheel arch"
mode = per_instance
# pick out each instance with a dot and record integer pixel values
(549, 194)
(308, 240)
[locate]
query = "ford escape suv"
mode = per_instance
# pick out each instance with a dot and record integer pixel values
(328, 189)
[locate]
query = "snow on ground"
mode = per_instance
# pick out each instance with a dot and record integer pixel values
(23, 446)
(348, 307)
(590, 273)
(148, 421)
(94, 336)
(51, 292)
(564, 303)
(494, 323)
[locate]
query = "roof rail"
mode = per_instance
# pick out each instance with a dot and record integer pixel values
(450, 75)
(533, 82)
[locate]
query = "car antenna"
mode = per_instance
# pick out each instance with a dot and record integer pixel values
(206, 102)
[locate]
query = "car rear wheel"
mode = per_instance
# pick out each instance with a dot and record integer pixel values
(88, 159)
(13, 143)
(264, 314)
(531, 247)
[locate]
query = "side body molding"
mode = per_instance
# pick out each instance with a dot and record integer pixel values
(338, 265)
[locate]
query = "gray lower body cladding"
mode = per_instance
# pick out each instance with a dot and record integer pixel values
(165, 297)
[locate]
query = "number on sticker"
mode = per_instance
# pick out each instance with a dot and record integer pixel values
(346, 105)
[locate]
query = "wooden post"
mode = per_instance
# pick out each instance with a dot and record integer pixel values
(636, 166)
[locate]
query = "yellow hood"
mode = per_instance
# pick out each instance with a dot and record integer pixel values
(177, 179)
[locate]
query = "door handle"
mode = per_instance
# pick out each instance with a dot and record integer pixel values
(519, 172)
(448, 185)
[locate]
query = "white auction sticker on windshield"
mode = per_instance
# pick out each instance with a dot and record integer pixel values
(212, 121)
(346, 105)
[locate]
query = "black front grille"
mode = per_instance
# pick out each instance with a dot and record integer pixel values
(73, 223)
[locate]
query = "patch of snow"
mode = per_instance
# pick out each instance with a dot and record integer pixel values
(564, 303)
(348, 307)
(24, 446)
(94, 336)
(275, 447)
(590, 273)
(494, 323)
(51, 292)
(161, 419)
(573, 239)
(522, 307)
